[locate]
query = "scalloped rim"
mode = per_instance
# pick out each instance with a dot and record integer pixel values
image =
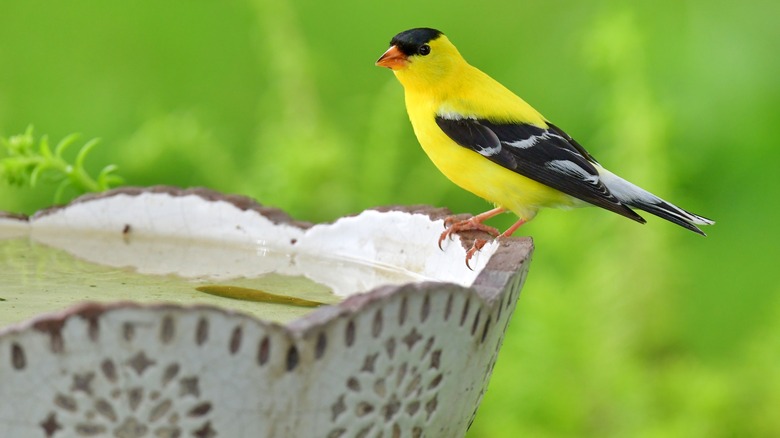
(509, 263)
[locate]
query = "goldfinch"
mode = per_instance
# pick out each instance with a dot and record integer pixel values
(492, 143)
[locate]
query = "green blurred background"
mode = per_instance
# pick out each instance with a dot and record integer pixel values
(622, 329)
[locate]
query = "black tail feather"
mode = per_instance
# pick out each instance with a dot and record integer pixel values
(673, 214)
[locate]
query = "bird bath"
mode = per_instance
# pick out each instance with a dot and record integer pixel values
(107, 330)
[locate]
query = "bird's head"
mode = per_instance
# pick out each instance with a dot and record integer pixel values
(421, 58)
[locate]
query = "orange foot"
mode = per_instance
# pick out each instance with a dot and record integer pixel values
(474, 223)
(471, 224)
(480, 243)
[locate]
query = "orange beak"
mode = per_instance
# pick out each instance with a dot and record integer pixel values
(393, 59)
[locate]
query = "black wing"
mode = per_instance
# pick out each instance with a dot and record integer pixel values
(546, 155)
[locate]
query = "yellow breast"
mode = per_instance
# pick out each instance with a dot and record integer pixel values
(474, 172)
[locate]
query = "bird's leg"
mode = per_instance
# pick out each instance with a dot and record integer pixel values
(511, 230)
(473, 223)
(480, 243)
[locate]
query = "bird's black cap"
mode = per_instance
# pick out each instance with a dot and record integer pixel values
(409, 41)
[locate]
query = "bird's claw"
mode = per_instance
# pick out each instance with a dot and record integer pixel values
(443, 236)
(476, 247)
(452, 220)
(454, 225)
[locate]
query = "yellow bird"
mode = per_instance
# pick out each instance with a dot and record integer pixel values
(492, 143)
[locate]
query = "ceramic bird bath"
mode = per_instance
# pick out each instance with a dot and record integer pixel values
(107, 330)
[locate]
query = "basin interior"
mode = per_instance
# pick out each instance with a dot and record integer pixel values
(37, 277)
(161, 244)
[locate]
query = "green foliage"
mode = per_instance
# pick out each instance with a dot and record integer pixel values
(26, 164)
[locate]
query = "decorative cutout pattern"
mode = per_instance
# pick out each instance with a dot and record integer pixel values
(134, 398)
(394, 398)
(412, 364)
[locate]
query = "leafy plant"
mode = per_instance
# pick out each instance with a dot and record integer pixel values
(26, 164)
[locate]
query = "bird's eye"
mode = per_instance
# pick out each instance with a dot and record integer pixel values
(424, 50)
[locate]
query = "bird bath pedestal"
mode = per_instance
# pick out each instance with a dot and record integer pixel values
(404, 345)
